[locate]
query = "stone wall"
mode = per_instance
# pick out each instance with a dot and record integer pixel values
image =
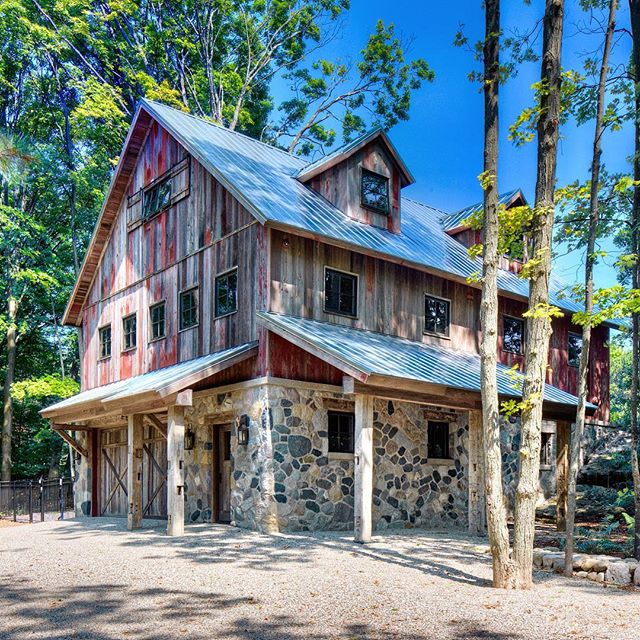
(82, 474)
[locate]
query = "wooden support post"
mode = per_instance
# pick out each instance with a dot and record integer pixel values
(134, 470)
(363, 451)
(175, 471)
(477, 519)
(563, 439)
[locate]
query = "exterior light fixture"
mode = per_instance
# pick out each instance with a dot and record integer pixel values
(189, 440)
(243, 430)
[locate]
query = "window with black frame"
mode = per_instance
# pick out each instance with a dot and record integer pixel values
(546, 457)
(340, 430)
(374, 191)
(512, 334)
(104, 334)
(227, 293)
(340, 292)
(575, 349)
(129, 332)
(157, 321)
(436, 315)
(157, 198)
(438, 440)
(189, 308)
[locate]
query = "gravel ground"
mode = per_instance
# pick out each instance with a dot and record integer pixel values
(93, 579)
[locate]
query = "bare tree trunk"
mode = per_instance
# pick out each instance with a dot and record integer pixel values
(634, 10)
(503, 573)
(578, 432)
(7, 416)
(538, 321)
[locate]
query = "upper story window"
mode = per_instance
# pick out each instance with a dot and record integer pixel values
(129, 332)
(340, 429)
(438, 440)
(157, 322)
(157, 198)
(374, 191)
(189, 308)
(227, 293)
(436, 315)
(340, 292)
(575, 349)
(104, 335)
(512, 334)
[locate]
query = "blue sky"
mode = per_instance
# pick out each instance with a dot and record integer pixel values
(442, 142)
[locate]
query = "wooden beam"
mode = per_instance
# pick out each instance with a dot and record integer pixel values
(477, 519)
(363, 474)
(156, 424)
(134, 470)
(175, 471)
(563, 438)
(72, 442)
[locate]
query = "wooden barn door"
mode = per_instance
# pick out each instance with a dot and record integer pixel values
(113, 472)
(154, 474)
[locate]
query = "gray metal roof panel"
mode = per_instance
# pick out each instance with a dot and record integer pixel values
(380, 354)
(454, 220)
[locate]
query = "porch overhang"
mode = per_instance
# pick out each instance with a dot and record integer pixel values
(149, 392)
(393, 367)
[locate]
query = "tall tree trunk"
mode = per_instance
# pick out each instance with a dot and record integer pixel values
(634, 10)
(578, 432)
(503, 572)
(7, 416)
(538, 320)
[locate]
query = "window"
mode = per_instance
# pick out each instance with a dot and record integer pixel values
(512, 334)
(157, 313)
(436, 315)
(340, 432)
(340, 292)
(227, 293)
(189, 308)
(575, 349)
(546, 459)
(157, 198)
(374, 191)
(129, 328)
(438, 440)
(104, 334)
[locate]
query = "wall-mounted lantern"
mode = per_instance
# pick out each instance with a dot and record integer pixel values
(189, 440)
(243, 430)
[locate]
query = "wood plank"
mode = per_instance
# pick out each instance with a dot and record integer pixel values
(175, 471)
(134, 471)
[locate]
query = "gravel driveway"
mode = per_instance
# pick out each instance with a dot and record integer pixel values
(93, 579)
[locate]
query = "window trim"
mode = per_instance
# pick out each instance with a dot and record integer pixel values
(433, 459)
(124, 319)
(324, 292)
(180, 294)
(151, 307)
(425, 331)
(101, 328)
(215, 293)
(341, 455)
(524, 333)
(579, 335)
(387, 210)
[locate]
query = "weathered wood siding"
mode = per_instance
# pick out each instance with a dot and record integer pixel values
(340, 185)
(200, 236)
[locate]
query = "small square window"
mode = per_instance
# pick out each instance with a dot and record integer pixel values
(129, 332)
(438, 440)
(340, 292)
(546, 457)
(157, 317)
(189, 308)
(436, 315)
(512, 334)
(374, 191)
(575, 349)
(104, 334)
(227, 293)
(341, 428)
(157, 198)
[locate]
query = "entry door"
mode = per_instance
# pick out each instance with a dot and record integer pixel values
(224, 466)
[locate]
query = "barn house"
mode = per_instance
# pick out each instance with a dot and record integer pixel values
(286, 345)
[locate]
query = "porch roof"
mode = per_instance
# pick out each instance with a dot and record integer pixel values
(375, 358)
(159, 386)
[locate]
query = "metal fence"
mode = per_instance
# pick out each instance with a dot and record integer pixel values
(29, 500)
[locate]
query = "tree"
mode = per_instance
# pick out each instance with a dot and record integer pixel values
(539, 313)
(503, 570)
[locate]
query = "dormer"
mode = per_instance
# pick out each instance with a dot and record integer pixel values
(363, 179)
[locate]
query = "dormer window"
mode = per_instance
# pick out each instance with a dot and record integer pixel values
(374, 191)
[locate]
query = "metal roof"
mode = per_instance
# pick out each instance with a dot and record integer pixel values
(377, 354)
(179, 375)
(456, 220)
(263, 178)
